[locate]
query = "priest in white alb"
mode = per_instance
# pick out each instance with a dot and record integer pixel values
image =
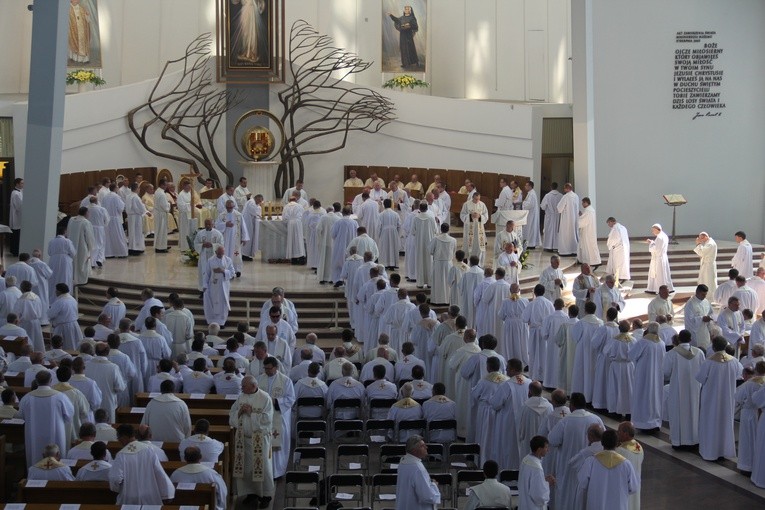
(253, 215)
(549, 205)
(293, 215)
(216, 282)
(474, 215)
(282, 392)
(457, 385)
(424, 230)
(196, 472)
(388, 238)
(742, 260)
(46, 413)
(658, 269)
(584, 287)
(717, 376)
(205, 243)
(186, 224)
(553, 279)
(608, 296)
(441, 249)
(618, 244)
(568, 232)
(80, 232)
(160, 212)
(587, 249)
(252, 418)
(234, 229)
(115, 242)
(607, 478)
(137, 474)
(531, 228)
(534, 315)
(514, 341)
(706, 249)
(135, 210)
(167, 415)
(680, 367)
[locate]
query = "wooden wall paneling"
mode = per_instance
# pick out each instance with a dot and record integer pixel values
(64, 189)
(381, 172)
(489, 189)
(362, 171)
(110, 173)
(454, 180)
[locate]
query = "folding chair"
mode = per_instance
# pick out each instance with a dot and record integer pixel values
(445, 486)
(383, 489)
(390, 455)
(402, 382)
(409, 427)
(311, 432)
(379, 407)
(344, 404)
(377, 431)
(510, 478)
(352, 457)
(351, 431)
(466, 478)
(444, 430)
(464, 456)
(310, 458)
(346, 488)
(436, 456)
(300, 485)
(313, 403)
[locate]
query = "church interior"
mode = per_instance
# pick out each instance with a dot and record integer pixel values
(650, 110)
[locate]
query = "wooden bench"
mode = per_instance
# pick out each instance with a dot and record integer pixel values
(13, 344)
(210, 401)
(13, 432)
(169, 466)
(54, 506)
(216, 417)
(98, 493)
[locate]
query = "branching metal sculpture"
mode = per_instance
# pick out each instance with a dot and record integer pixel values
(187, 112)
(316, 70)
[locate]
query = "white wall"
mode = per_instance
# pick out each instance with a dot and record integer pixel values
(97, 135)
(642, 148)
(477, 49)
(137, 38)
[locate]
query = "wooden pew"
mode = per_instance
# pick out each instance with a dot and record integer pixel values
(211, 401)
(13, 432)
(13, 344)
(98, 493)
(216, 417)
(14, 379)
(169, 466)
(52, 506)
(350, 193)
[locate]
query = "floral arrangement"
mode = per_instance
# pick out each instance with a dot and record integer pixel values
(83, 76)
(524, 256)
(404, 81)
(190, 257)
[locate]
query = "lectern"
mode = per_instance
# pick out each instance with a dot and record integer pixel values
(674, 201)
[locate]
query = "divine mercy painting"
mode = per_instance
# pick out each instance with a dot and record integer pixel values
(404, 35)
(249, 32)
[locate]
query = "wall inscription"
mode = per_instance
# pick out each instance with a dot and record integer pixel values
(698, 74)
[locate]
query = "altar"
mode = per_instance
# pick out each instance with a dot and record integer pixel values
(273, 240)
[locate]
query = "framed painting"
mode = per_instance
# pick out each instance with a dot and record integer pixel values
(404, 36)
(250, 40)
(84, 35)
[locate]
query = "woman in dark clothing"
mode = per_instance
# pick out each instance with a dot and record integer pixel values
(407, 27)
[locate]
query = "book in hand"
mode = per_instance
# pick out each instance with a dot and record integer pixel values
(674, 199)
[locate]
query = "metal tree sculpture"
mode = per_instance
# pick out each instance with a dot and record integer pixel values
(316, 68)
(187, 112)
